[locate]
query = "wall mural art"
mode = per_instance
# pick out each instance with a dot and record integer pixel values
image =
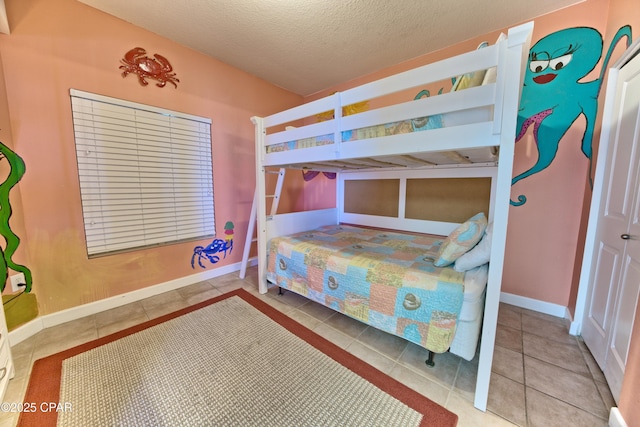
(157, 68)
(17, 170)
(216, 247)
(554, 95)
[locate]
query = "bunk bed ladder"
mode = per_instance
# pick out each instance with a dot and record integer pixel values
(251, 228)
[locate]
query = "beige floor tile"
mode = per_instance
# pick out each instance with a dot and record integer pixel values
(446, 364)
(468, 416)
(507, 399)
(346, 325)
(62, 337)
(542, 316)
(22, 355)
(226, 279)
(230, 285)
(465, 382)
(547, 326)
(288, 297)
(372, 357)
(251, 288)
(338, 338)
(605, 393)
(251, 276)
(316, 310)
(162, 304)
(56, 347)
(304, 319)
(422, 385)
(276, 302)
(118, 314)
(508, 363)
(595, 370)
(564, 385)
(545, 411)
(9, 419)
(510, 338)
(510, 316)
(15, 390)
(65, 330)
(567, 356)
(199, 292)
(387, 344)
(120, 318)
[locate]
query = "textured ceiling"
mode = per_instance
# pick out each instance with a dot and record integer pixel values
(309, 45)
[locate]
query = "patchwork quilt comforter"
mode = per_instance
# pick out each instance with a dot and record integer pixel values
(381, 278)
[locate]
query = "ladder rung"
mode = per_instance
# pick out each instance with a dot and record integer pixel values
(273, 172)
(271, 196)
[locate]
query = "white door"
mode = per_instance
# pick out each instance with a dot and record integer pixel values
(615, 258)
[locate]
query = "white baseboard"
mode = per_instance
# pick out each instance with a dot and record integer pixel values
(31, 328)
(576, 327)
(555, 310)
(25, 331)
(615, 418)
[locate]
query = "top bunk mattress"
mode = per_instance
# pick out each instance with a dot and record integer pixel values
(409, 126)
(404, 127)
(388, 129)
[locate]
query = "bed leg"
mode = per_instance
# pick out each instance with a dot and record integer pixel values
(280, 292)
(429, 362)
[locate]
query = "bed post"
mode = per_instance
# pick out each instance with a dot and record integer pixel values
(261, 213)
(513, 56)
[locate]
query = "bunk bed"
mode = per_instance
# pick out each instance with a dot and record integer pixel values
(406, 140)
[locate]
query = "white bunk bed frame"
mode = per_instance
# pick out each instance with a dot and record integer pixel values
(355, 159)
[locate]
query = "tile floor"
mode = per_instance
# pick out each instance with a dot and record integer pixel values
(542, 376)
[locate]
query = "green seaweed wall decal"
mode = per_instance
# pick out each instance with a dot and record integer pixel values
(17, 170)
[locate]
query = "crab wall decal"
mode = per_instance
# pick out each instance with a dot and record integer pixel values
(157, 68)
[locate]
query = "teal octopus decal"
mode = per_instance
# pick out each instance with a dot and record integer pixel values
(554, 95)
(17, 170)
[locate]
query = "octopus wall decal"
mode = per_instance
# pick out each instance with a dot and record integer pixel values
(554, 95)
(17, 170)
(157, 68)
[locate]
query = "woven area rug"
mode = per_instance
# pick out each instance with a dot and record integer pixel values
(232, 360)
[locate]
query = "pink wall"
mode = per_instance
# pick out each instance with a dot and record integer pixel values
(56, 45)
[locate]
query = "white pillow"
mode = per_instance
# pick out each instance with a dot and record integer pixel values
(478, 255)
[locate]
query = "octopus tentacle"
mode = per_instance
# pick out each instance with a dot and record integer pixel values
(536, 120)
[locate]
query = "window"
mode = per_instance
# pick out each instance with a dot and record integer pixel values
(146, 174)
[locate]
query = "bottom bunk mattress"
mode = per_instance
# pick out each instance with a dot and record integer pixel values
(383, 278)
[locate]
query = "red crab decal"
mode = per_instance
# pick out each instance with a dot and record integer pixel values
(136, 61)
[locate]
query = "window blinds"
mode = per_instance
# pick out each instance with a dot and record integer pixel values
(146, 174)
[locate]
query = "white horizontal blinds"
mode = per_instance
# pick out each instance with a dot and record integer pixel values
(146, 175)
